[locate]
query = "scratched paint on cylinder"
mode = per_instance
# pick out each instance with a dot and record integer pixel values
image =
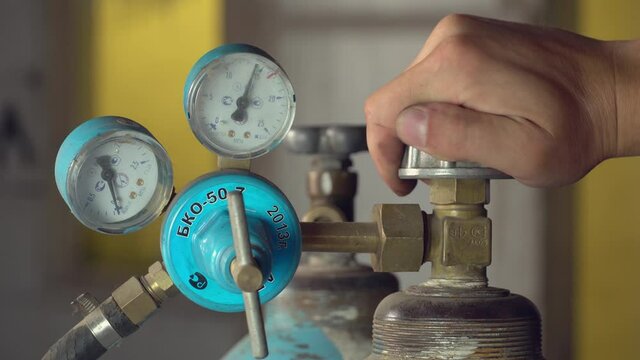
(290, 335)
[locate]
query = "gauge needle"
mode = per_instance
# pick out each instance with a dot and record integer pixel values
(108, 175)
(243, 101)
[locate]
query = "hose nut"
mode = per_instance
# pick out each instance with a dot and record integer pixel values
(401, 237)
(134, 301)
(159, 283)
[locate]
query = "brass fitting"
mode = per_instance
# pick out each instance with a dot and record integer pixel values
(395, 239)
(324, 213)
(401, 237)
(335, 187)
(158, 282)
(459, 191)
(134, 300)
(460, 231)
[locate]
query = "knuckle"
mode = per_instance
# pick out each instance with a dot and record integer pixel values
(460, 45)
(453, 22)
(461, 52)
(370, 106)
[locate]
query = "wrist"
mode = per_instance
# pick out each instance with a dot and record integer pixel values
(626, 60)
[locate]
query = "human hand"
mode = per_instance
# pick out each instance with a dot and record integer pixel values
(536, 103)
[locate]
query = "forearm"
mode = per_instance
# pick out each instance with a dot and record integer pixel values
(627, 73)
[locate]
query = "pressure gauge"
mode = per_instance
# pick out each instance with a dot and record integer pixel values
(114, 175)
(239, 101)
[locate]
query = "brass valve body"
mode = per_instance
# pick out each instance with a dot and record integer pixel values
(455, 315)
(459, 231)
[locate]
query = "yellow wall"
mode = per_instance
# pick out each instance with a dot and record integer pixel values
(141, 52)
(607, 321)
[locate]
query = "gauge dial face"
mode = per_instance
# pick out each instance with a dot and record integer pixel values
(120, 183)
(241, 105)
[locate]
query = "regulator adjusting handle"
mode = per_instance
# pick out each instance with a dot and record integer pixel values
(247, 275)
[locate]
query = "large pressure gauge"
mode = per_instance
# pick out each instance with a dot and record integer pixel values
(114, 175)
(239, 101)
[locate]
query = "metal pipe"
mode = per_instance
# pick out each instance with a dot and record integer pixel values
(255, 324)
(340, 237)
(247, 275)
(244, 270)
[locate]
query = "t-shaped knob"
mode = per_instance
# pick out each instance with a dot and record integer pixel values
(417, 164)
(331, 185)
(337, 141)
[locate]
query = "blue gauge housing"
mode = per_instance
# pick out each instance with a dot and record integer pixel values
(81, 136)
(79, 146)
(197, 242)
(261, 120)
(212, 55)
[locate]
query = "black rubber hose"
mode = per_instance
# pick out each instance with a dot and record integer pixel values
(77, 344)
(80, 343)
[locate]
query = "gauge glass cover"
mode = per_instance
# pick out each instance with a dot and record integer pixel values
(241, 105)
(131, 168)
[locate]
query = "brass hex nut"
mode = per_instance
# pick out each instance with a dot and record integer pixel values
(159, 282)
(401, 232)
(459, 191)
(134, 301)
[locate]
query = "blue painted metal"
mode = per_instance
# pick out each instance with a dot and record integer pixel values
(83, 135)
(212, 55)
(290, 335)
(197, 244)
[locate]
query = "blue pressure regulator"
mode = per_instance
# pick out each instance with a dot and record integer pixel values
(231, 240)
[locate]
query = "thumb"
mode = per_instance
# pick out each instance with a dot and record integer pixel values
(454, 133)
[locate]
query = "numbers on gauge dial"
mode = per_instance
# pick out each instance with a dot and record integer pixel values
(117, 181)
(243, 102)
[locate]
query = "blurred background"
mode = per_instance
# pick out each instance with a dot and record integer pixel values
(573, 251)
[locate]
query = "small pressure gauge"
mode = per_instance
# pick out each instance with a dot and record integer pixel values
(114, 175)
(239, 102)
